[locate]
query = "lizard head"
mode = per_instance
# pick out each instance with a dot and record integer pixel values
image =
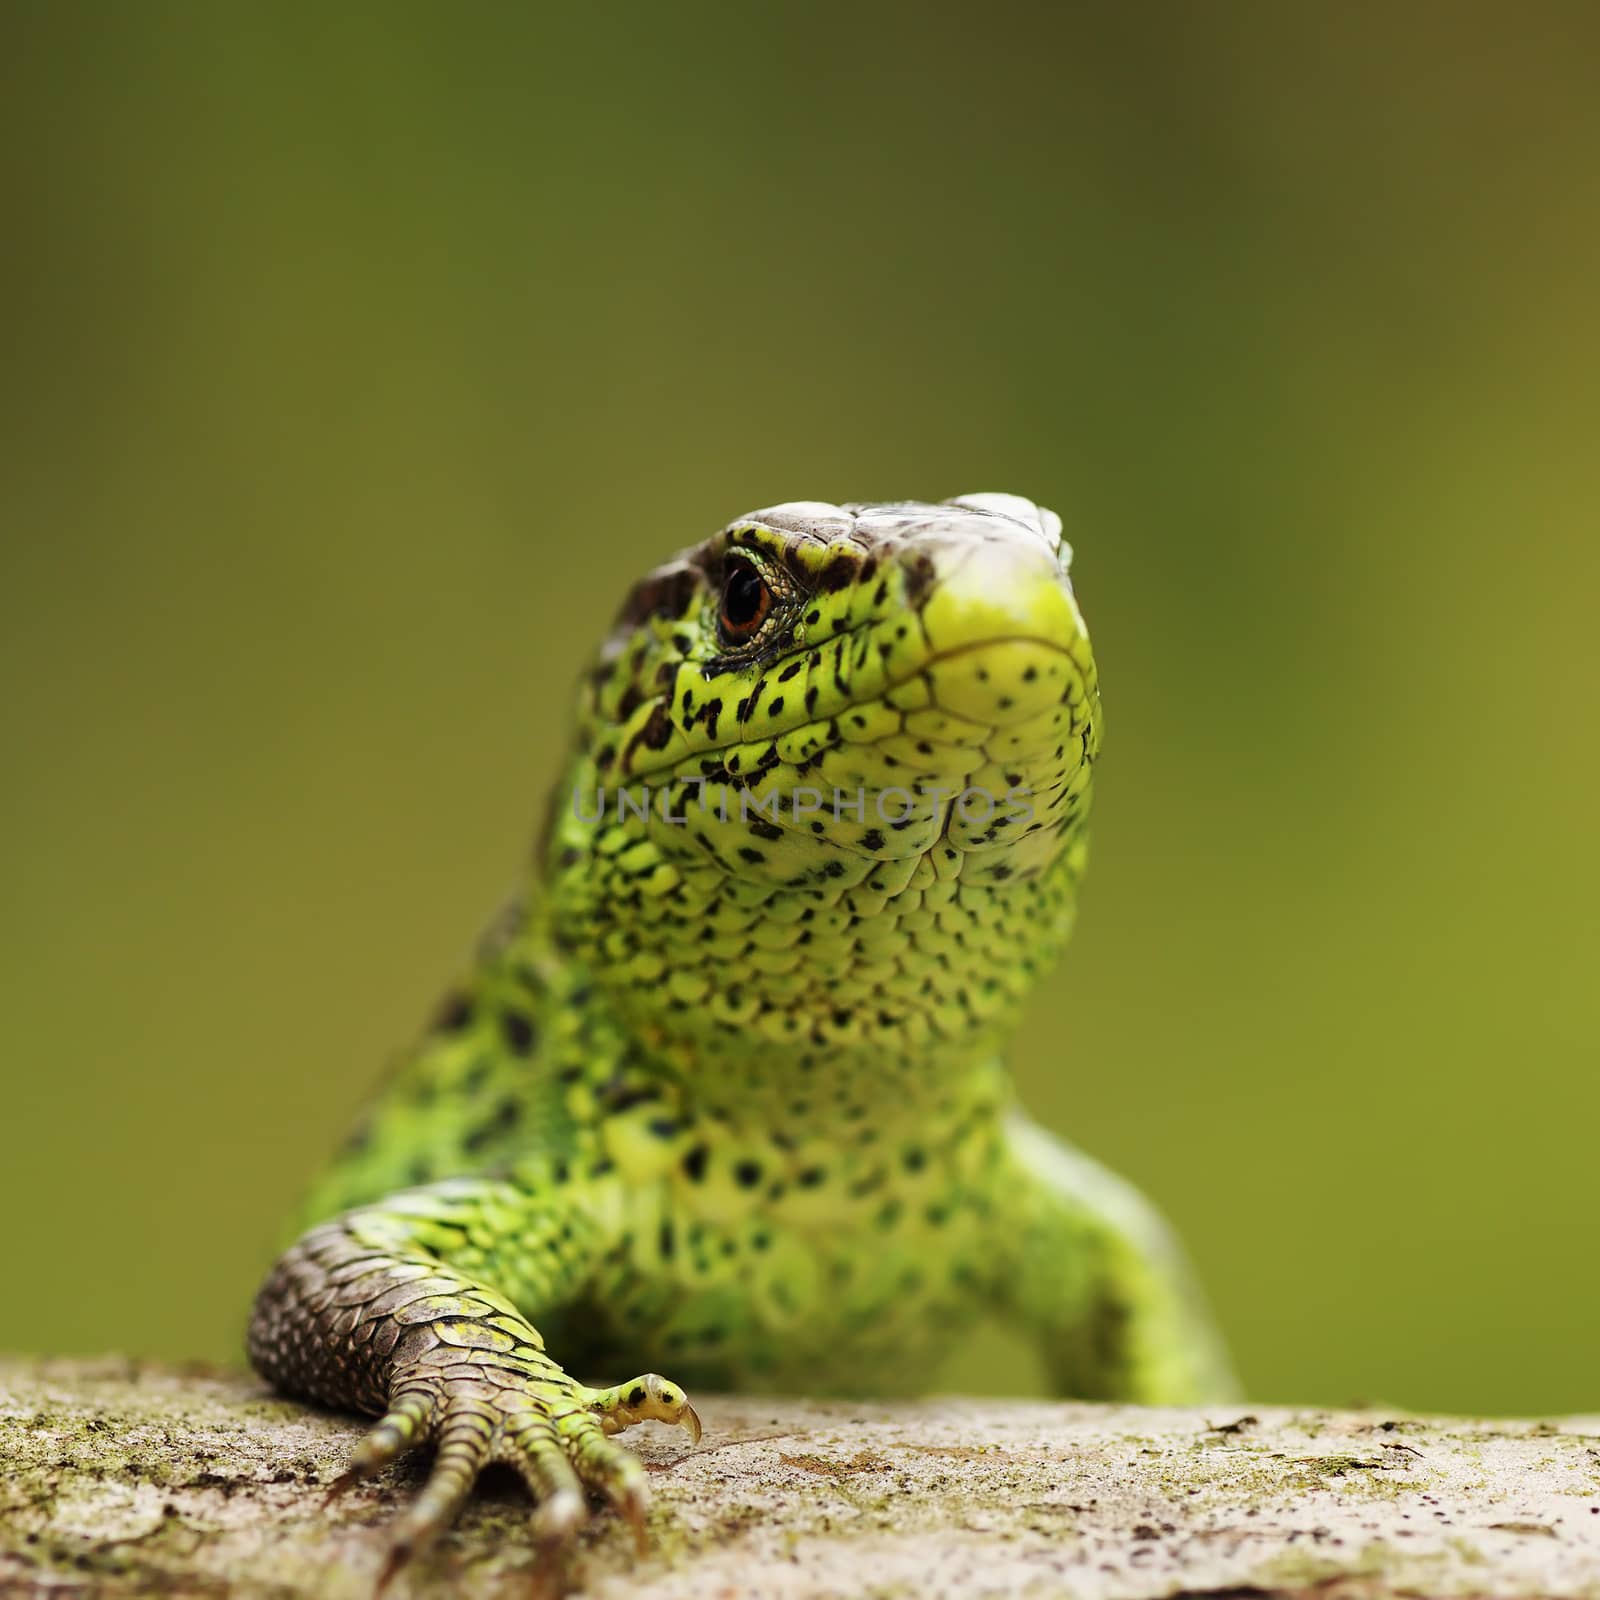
(827, 798)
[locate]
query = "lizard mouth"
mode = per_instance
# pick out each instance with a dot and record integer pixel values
(1011, 720)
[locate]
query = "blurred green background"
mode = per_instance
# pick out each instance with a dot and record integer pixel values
(357, 357)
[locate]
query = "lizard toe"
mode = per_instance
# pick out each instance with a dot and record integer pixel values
(407, 1423)
(465, 1446)
(647, 1398)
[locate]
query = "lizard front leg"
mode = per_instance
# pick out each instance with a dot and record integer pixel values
(414, 1308)
(1100, 1282)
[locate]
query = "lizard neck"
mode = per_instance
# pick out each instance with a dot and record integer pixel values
(878, 1006)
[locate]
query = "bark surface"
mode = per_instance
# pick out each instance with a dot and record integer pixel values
(121, 1479)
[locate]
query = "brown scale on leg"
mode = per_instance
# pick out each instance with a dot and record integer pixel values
(374, 1311)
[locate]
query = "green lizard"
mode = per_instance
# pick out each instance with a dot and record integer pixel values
(723, 1091)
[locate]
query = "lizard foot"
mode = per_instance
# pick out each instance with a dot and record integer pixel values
(483, 1406)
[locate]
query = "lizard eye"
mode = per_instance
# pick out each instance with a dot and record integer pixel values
(746, 600)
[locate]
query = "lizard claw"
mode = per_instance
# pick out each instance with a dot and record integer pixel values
(690, 1420)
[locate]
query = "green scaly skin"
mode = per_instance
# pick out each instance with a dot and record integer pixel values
(723, 1094)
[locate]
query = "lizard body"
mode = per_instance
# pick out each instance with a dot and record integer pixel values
(723, 1093)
